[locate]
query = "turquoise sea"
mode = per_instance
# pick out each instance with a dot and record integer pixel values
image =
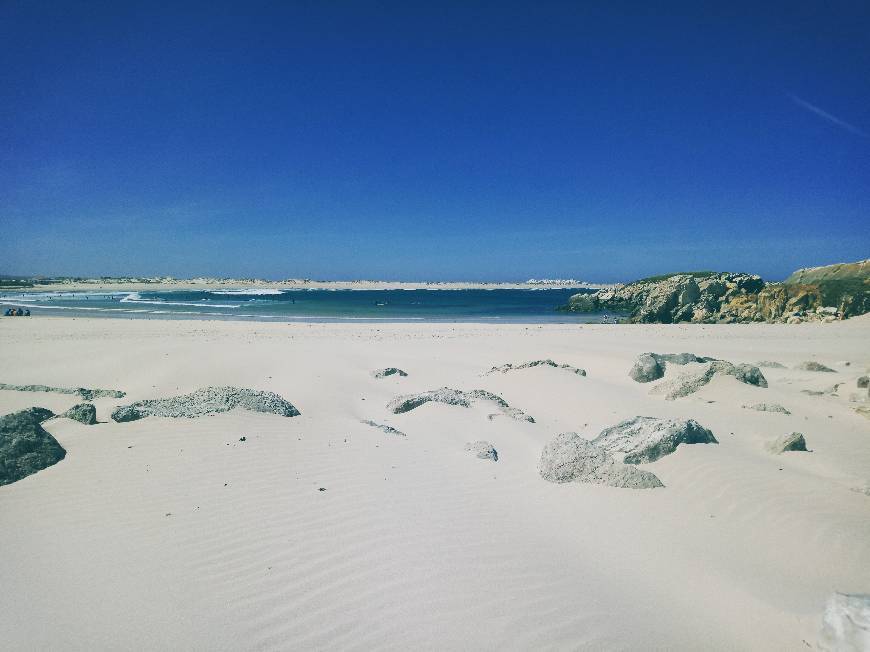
(507, 306)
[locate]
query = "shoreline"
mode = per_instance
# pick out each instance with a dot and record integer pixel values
(115, 285)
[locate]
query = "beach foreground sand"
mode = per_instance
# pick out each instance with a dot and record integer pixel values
(321, 532)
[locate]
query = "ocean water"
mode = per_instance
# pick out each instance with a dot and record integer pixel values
(506, 306)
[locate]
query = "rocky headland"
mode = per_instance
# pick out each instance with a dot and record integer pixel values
(821, 294)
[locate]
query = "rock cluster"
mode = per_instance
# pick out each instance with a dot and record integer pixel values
(383, 427)
(458, 397)
(25, 446)
(651, 366)
(793, 441)
(85, 393)
(482, 449)
(206, 401)
(670, 299)
(389, 371)
(84, 413)
(609, 459)
(821, 294)
(690, 383)
(646, 439)
(536, 363)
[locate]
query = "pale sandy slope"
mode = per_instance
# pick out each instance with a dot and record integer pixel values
(172, 534)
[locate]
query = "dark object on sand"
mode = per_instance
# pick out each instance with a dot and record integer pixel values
(25, 446)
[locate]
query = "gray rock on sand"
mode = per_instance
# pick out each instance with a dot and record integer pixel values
(537, 363)
(770, 364)
(647, 439)
(450, 396)
(482, 449)
(384, 427)
(389, 371)
(207, 401)
(793, 441)
(767, 407)
(85, 393)
(25, 446)
(570, 458)
(846, 623)
(84, 413)
(651, 366)
(691, 382)
(646, 368)
(863, 381)
(812, 365)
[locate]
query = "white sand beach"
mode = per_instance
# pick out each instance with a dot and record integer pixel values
(321, 532)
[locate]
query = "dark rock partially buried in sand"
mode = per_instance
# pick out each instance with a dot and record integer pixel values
(767, 407)
(536, 363)
(84, 413)
(812, 365)
(793, 441)
(651, 366)
(85, 393)
(863, 381)
(389, 371)
(482, 449)
(691, 382)
(458, 397)
(647, 439)
(25, 446)
(846, 623)
(383, 427)
(570, 458)
(207, 401)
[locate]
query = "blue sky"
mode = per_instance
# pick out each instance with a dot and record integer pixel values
(464, 140)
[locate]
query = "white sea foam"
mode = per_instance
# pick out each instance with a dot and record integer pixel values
(248, 292)
(135, 297)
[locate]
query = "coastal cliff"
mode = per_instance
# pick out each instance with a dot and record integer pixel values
(813, 294)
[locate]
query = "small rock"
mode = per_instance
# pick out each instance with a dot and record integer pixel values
(243, 439)
(769, 364)
(863, 381)
(767, 407)
(647, 439)
(384, 427)
(84, 413)
(84, 392)
(570, 458)
(791, 442)
(389, 371)
(207, 401)
(321, 489)
(691, 382)
(450, 396)
(646, 368)
(812, 365)
(536, 363)
(482, 449)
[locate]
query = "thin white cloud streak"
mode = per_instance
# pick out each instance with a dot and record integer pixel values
(812, 108)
